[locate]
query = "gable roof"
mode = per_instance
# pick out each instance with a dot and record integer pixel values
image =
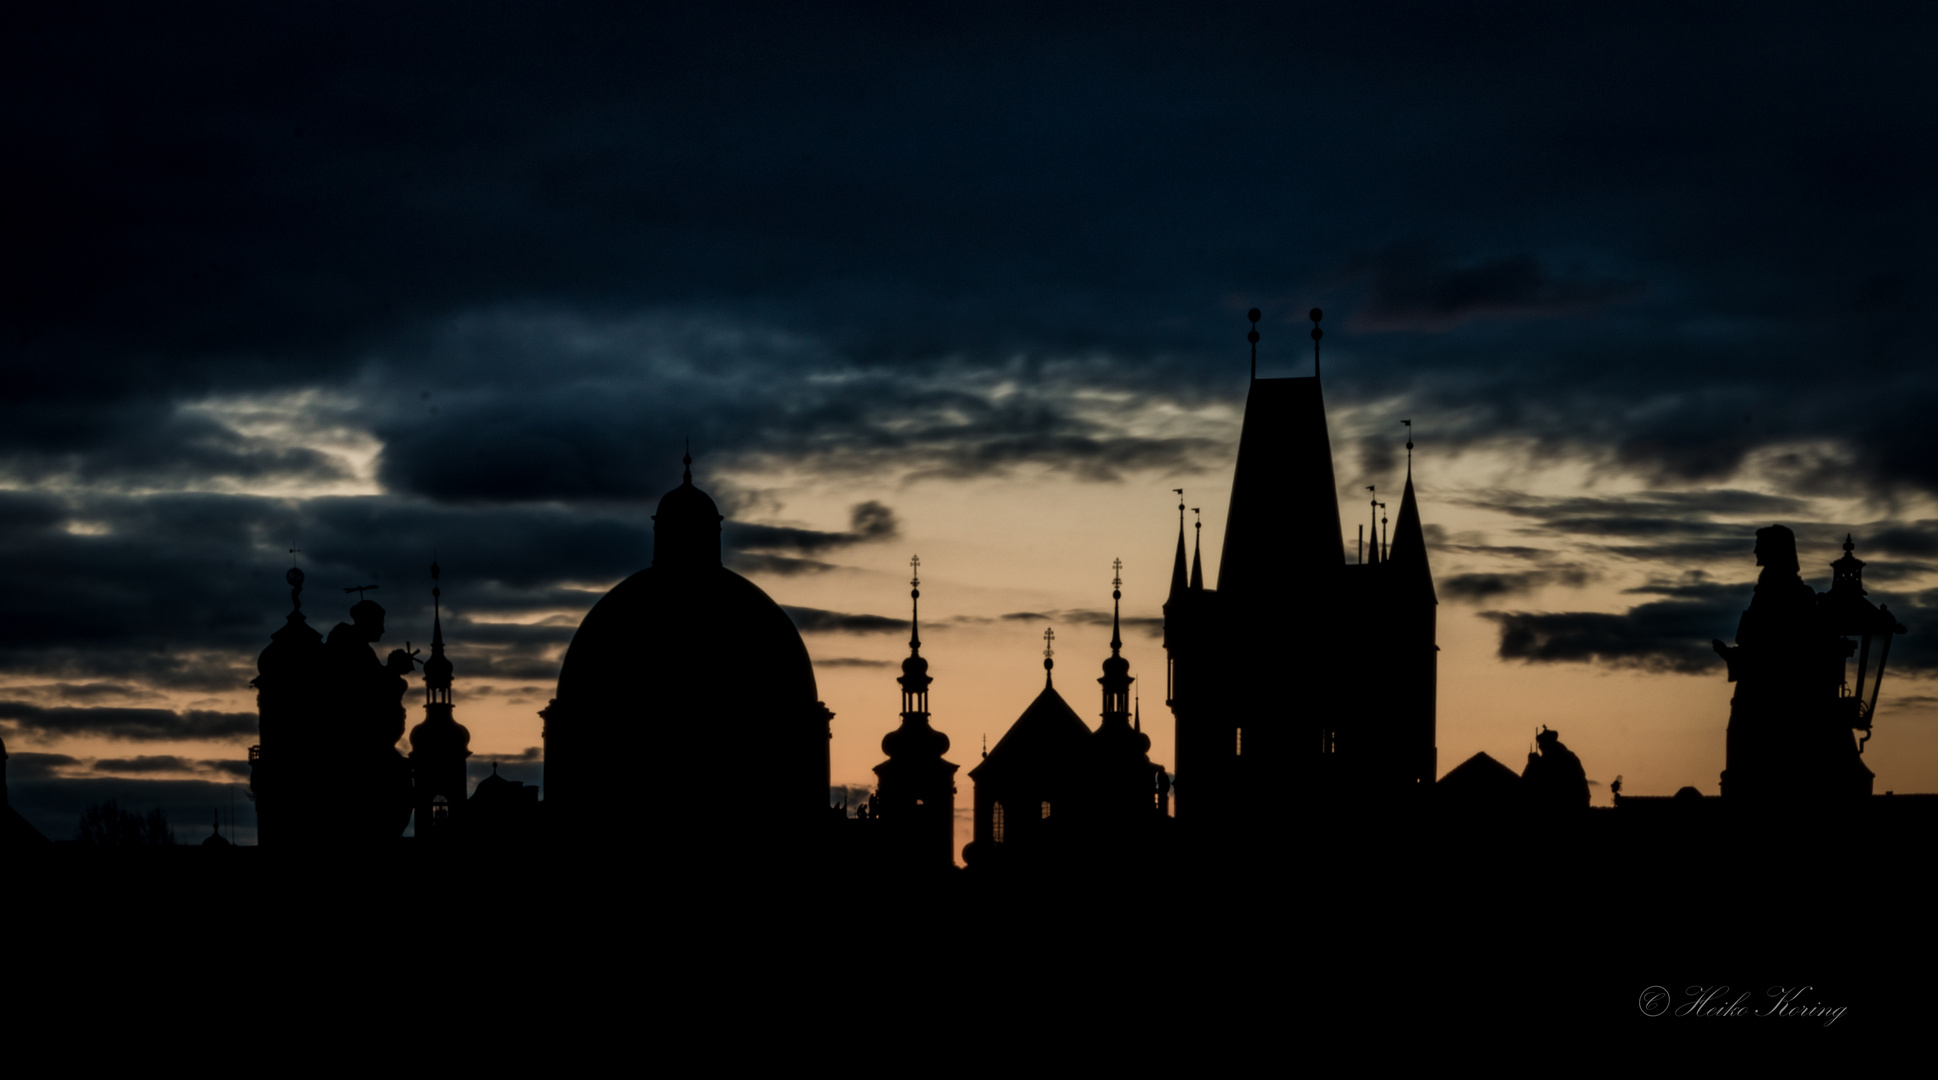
(1049, 736)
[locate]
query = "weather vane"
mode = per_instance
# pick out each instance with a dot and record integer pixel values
(1253, 338)
(360, 590)
(1317, 333)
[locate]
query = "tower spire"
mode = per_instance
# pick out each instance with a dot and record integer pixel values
(1253, 338)
(1372, 551)
(1116, 679)
(1049, 654)
(1180, 580)
(1197, 553)
(914, 605)
(1317, 333)
(1116, 604)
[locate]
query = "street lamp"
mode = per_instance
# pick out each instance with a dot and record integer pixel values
(1851, 616)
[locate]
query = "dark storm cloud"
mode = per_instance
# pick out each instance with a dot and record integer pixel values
(1154, 627)
(1673, 634)
(1612, 233)
(146, 763)
(25, 765)
(815, 621)
(868, 521)
(181, 591)
(131, 724)
(1413, 286)
(1476, 587)
(1683, 527)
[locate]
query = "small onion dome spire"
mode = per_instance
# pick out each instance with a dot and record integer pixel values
(915, 738)
(1116, 731)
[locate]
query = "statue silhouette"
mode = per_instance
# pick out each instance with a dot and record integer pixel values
(1786, 737)
(1554, 779)
(366, 699)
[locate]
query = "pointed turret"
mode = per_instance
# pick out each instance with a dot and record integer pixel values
(1410, 574)
(1179, 579)
(1197, 554)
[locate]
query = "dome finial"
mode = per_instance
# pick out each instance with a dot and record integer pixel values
(1409, 446)
(295, 579)
(686, 462)
(1049, 654)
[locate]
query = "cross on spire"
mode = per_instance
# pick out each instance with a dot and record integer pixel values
(1049, 643)
(915, 570)
(1117, 568)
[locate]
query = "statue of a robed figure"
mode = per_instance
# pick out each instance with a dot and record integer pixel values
(1792, 719)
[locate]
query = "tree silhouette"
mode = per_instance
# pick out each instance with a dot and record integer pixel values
(106, 824)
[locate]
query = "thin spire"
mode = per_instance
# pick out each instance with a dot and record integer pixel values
(1386, 549)
(1180, 579)
(1372, 552)
(1116, 604)
(1137, 710)
(1049, 654)
(1253, 338)
(1409, 448)
(1315, 315)
(915, 605)
(686, 462)
(1197, 553)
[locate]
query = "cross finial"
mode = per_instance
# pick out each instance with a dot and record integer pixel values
(1117, 569)
(915, 570)
(1049, 642)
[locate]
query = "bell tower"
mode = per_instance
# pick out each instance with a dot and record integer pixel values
(439, 744)
(915, 792)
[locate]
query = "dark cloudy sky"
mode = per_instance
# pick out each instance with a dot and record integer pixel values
(370, 282)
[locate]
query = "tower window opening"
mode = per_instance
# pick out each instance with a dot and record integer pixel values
(1238, 742)
(1046, 809)
(996, 824)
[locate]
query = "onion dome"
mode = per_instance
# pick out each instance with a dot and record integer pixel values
(915, 738)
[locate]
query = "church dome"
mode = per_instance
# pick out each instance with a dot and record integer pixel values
(686, 679)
